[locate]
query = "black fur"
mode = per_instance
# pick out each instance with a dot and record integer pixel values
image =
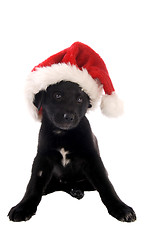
(66, 131)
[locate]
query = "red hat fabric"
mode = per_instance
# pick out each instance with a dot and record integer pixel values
(80, 64)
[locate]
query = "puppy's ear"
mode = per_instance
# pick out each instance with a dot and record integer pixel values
(90, 105)
(38, 100)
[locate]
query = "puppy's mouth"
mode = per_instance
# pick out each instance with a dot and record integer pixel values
(65, 126)
(67, 122)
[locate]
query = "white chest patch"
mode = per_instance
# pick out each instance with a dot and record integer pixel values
(64, 160)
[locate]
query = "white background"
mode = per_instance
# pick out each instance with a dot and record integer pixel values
(127, 34)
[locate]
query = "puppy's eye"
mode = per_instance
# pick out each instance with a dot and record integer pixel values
(79, 100)
(58, 96)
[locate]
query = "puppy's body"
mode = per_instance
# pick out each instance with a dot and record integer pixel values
(69, 151)
(68, 157)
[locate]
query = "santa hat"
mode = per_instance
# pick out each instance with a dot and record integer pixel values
(78, 64)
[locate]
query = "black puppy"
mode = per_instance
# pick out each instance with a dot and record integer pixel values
(68, 157)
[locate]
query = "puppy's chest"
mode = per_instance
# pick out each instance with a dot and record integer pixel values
(65, 157)
(69, 165)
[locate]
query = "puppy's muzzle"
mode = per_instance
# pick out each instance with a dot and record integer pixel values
(67, 121)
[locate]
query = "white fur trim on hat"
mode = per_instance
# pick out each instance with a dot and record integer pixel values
(44, 76)
(111, 105)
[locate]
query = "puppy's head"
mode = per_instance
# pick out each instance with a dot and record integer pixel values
(64, 104)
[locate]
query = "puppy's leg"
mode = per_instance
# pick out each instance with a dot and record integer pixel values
(41, 175)
(97, 175)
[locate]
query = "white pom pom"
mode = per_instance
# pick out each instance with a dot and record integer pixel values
(111, 105)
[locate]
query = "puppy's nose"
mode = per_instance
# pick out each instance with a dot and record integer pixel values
(69, 117)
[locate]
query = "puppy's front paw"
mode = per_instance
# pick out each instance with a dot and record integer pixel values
(122, 212)
(21, 212)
